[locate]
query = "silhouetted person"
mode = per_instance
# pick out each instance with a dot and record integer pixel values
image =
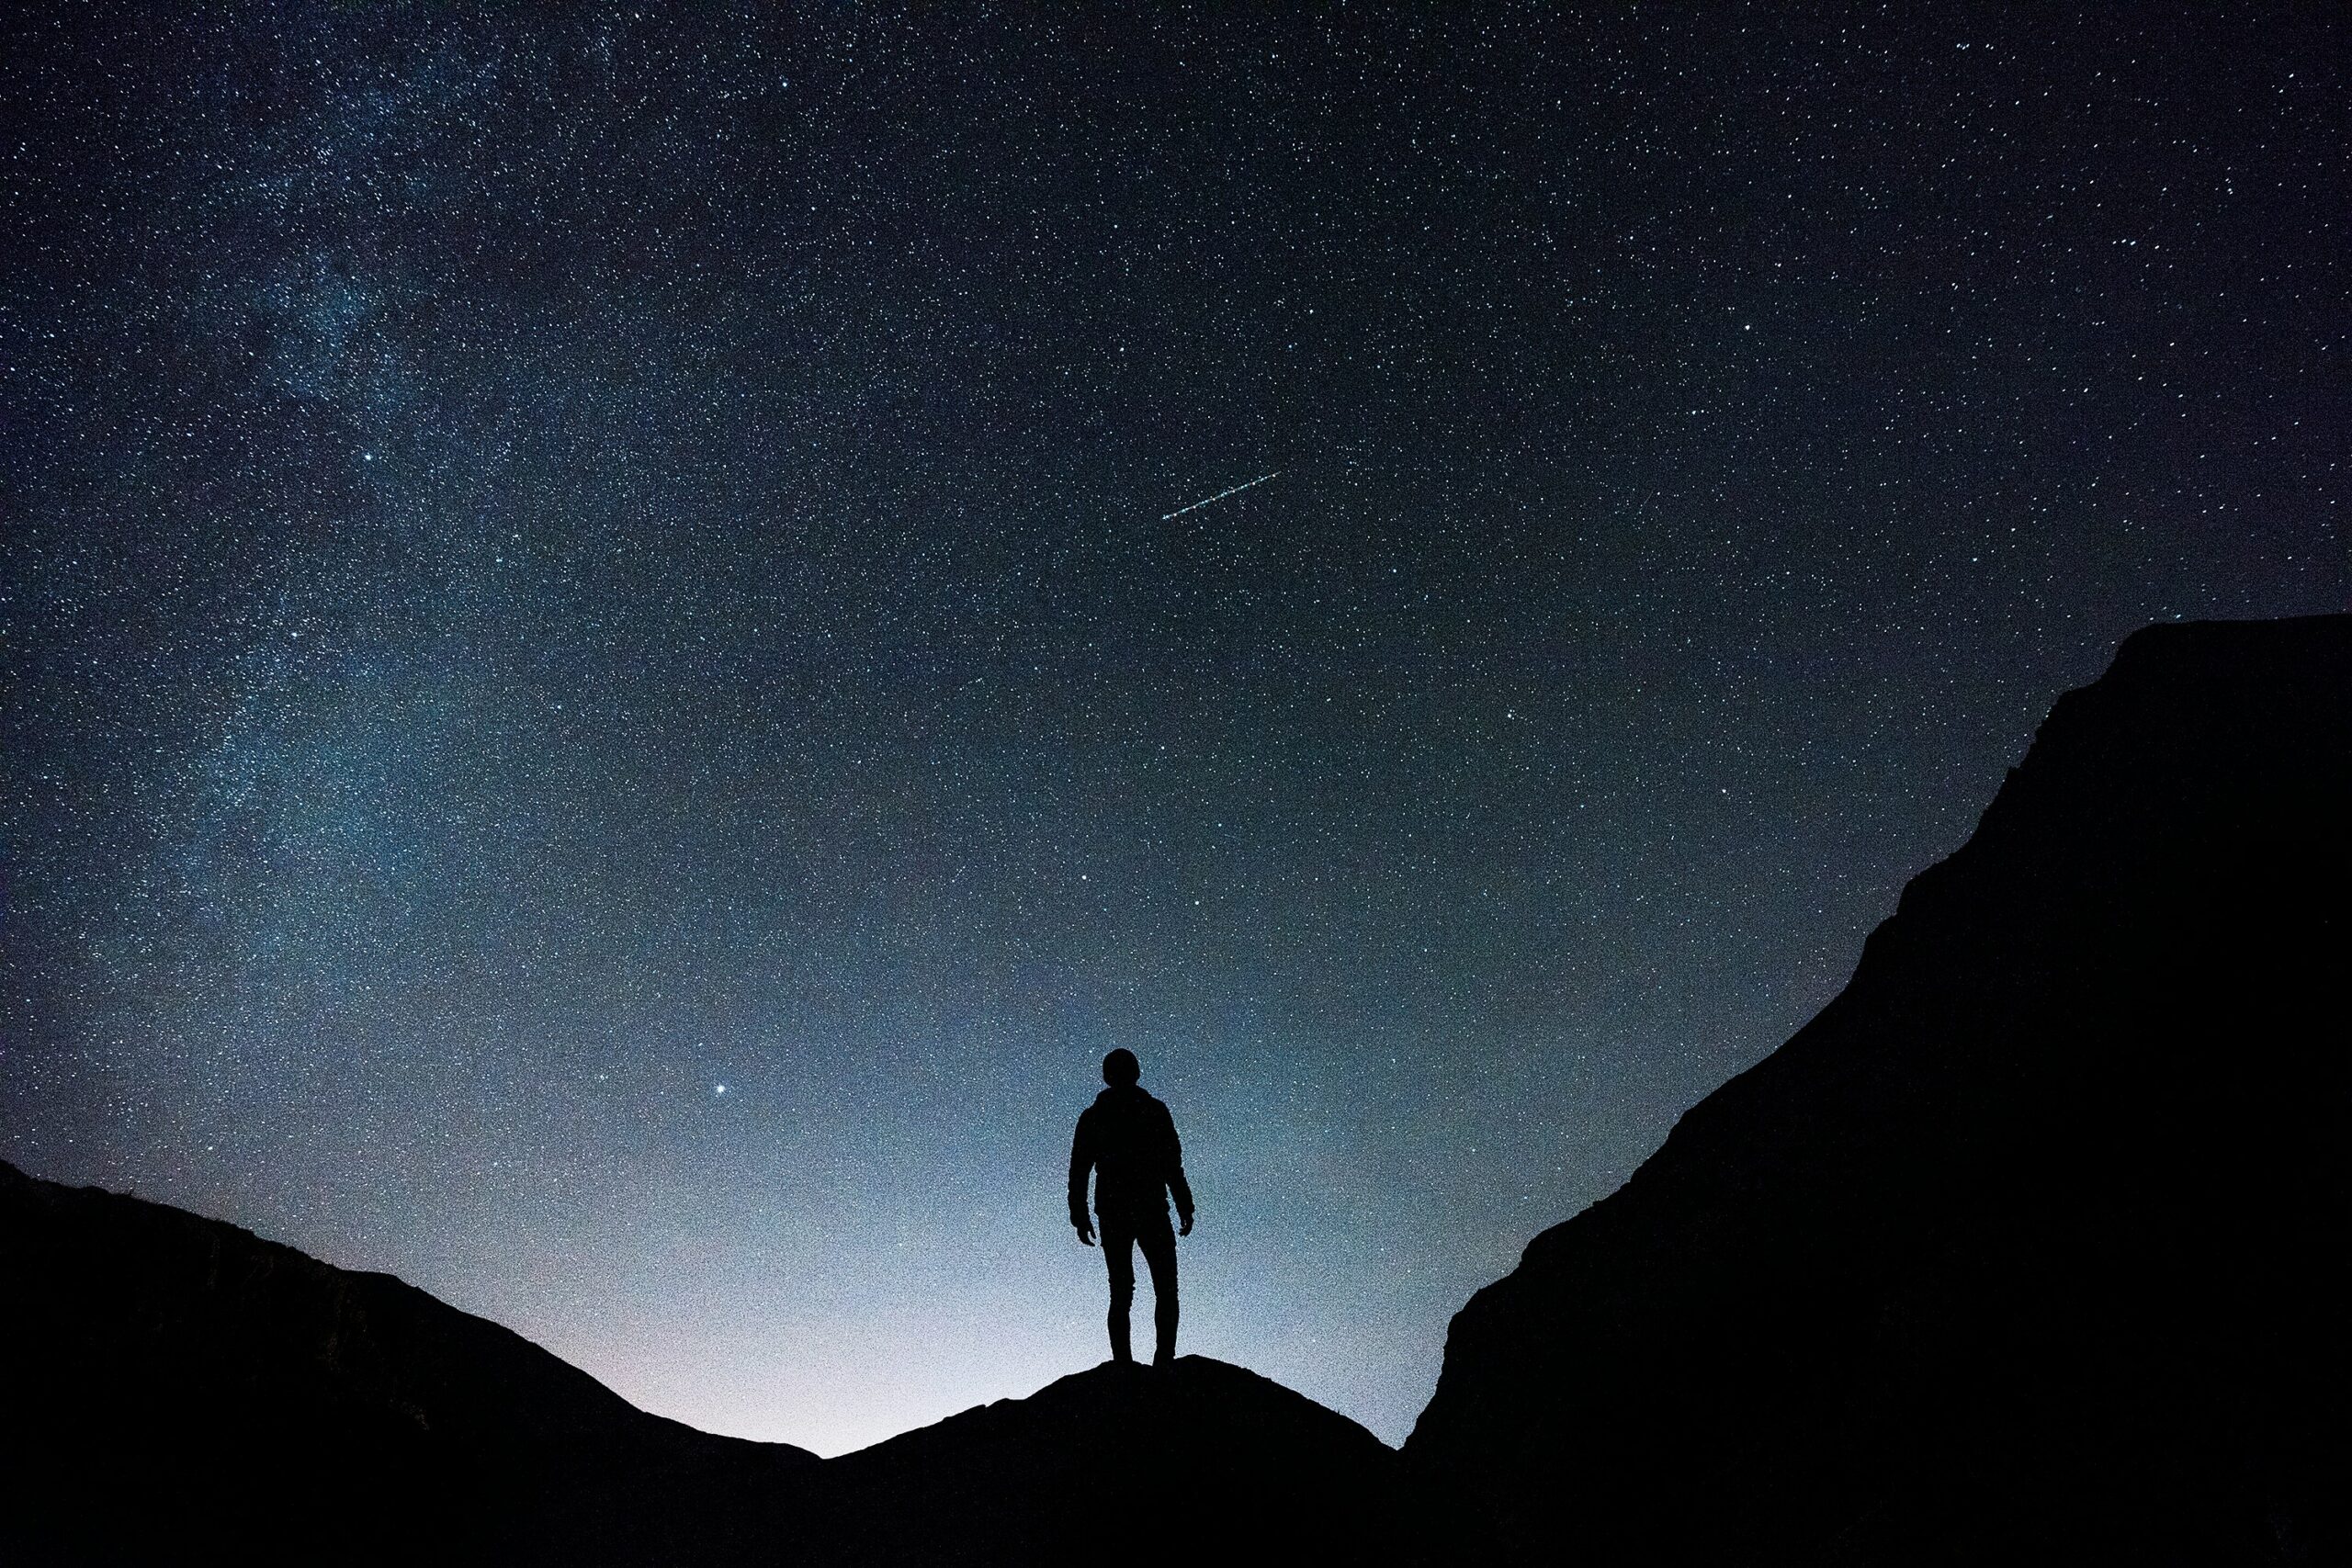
(1128, 1141)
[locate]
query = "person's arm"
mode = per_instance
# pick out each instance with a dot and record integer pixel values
(1081, 1162)
(1178, 1187)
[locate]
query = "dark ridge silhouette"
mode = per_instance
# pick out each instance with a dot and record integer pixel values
(179, 1390)
(1196, 1461)
(2022, 1250)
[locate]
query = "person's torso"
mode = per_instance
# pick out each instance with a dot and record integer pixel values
(1132, 1139)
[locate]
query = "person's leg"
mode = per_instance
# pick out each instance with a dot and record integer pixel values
(1159, 1243)
(1118, 1255)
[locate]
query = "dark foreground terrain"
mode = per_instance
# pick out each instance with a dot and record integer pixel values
(2019, 1251)
(180, 1389)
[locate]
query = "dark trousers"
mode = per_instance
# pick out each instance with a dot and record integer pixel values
(1150, 1232)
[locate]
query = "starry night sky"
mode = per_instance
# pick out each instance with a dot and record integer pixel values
(555, 561)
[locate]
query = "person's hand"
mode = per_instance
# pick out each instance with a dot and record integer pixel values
(1185, 1228)
(1085, 1233)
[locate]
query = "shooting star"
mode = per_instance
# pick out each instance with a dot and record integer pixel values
(1233, 490)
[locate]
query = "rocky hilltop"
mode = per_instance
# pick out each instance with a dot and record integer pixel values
(1197, 1463)
(2021, 1250)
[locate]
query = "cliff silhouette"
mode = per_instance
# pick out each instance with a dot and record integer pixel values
(2019, 1250)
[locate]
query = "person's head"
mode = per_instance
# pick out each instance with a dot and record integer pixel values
(1120, 1068)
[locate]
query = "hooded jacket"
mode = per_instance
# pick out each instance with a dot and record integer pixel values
(1128, 1140)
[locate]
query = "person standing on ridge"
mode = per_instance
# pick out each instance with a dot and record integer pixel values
(1128, 1140)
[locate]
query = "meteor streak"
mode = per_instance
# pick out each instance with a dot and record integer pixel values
(1220, 495)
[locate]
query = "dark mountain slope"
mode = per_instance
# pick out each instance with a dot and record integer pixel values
(2025, 1247)
(179, 1389)
(1195, 1462)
